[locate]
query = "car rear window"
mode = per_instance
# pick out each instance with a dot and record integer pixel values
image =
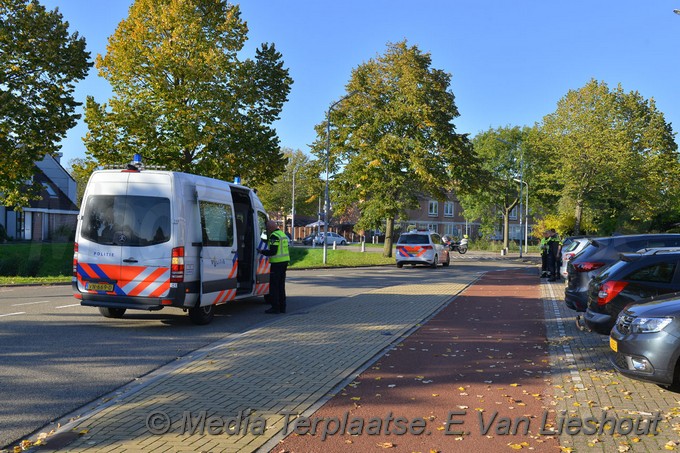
(658, 272)
(126, 220)
(414, 239)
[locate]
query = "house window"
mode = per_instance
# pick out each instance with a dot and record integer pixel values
(432, 227)
(450, 229)
(513, 213)
(433, 208)
(448, 209)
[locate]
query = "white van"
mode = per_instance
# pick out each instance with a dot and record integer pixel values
(149, 239)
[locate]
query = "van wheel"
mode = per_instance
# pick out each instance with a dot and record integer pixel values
(435, 261)
(202, 315)
(448, 261)
(400, 265)
(112, 312)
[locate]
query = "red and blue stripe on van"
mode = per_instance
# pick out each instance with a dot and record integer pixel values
(412, 251)
(142, 281)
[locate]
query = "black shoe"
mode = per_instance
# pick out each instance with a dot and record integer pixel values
(272, 311)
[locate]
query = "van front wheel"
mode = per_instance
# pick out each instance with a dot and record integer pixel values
(202, 315)
(112, 312)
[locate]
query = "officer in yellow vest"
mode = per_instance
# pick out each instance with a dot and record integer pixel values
(278, 259)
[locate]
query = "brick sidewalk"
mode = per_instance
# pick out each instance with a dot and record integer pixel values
(286, 366)
(585, 385)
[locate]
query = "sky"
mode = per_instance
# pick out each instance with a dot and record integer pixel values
(510, 61)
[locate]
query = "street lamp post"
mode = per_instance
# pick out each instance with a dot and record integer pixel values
(526, 216)
(292, 209)
(328, 157)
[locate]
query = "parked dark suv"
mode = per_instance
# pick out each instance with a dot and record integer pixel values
(646, 342)
(601, 253)
(634, 278)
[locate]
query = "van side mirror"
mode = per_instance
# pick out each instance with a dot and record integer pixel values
(263, 236)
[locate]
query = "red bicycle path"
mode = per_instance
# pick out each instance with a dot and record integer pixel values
(475, 377)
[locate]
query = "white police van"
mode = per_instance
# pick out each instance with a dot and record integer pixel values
(149, 239)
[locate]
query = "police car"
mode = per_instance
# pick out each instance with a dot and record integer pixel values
(422, 247)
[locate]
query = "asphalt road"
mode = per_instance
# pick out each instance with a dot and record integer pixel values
(57, 356)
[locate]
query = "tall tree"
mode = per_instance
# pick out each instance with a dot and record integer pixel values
(393, 138)
(612, 151)
(277, 194)
(504, 158)
(40, 62)
(183, 98)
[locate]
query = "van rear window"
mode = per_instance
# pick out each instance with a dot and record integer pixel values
(126, 220)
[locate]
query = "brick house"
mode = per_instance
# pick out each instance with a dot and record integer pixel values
(54, 215)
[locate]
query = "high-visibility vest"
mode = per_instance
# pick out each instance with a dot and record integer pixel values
(280, 240)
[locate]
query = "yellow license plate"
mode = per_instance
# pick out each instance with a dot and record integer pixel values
(613, 345)
(99, 286)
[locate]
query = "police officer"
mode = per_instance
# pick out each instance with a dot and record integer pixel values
(278, 259)
(554, 246)
(544, 254)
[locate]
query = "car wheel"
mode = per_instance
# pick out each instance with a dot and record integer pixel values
(112, 312)
(400, 265)
(434, 262)
(202, 315)
(343, 243)
(448, 260)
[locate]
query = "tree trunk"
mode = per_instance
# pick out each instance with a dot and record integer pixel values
(389, 228)
(506, 228)
(578, 213)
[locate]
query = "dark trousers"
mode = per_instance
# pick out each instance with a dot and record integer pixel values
(277, 286)
(552, 265)
(544, 262)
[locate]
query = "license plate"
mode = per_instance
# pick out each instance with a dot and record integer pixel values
(613, 345)
(99, 286)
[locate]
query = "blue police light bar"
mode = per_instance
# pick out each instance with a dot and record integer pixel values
(137, 159)
(237, 180)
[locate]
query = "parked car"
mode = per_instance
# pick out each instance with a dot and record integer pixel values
(602, 252)
(646, 341)
(635, 277)
(571, 247)
(422, 247)
(307, 240)
(330, 239)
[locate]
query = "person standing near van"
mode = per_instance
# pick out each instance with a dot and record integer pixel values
(554, 245)
(278, 259)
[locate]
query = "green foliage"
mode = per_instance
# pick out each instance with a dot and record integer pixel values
(611, 152)
(36, 259)
(504, 157)
(277, 194)
(182, 96)
(40, 62)
(393, 137)
(81, 170)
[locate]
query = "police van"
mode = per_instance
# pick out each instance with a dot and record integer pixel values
(149, 239)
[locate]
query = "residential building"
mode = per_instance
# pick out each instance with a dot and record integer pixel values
(51, 217)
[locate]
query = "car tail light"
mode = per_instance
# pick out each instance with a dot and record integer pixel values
(75, 259)
(177, 265)
(587, 266)
(609, 290)
(568, 256)
(426, 247)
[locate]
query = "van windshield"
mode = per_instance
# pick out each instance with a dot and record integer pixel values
(126, 220)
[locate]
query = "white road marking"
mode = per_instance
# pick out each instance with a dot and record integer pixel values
(66, 306)
(31, 303)
(13, 314)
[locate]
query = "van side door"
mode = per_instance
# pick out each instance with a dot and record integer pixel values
(219, 258)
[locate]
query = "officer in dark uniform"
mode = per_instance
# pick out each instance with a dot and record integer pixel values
(554, 247)
(278, 259)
